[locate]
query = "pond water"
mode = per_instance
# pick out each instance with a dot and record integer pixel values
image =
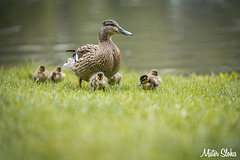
(201, 36)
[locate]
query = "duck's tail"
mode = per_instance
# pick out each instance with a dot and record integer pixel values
(75, 54)
(69, 63)
(70, 50)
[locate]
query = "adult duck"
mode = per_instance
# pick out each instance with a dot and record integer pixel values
(104, 57)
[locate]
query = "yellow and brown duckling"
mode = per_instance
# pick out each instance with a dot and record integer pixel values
(154, 72)
(98, 81)
(116, 79)
(104, 57)
(57, 75)
(148, 82)
(41, 74)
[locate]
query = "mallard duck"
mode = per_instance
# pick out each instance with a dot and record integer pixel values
(104, 57)
(116, 79)
(148, 82)
(41, 74)
(155, 73)
(57, 75)
(98, 81)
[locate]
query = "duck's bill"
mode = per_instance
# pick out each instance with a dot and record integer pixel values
(121, 30)
(100, 81)
(140, 83)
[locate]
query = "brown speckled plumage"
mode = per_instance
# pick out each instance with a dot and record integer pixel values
(105, 57)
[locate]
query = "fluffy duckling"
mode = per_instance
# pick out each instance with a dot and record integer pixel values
(98, 81)
(148, 82)
(41, 74)
(116, 79)
(57, 75)
(155, 73)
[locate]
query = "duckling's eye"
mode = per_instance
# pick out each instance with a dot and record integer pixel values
(143, 79)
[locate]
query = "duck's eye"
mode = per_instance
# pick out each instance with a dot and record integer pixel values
(110, 25)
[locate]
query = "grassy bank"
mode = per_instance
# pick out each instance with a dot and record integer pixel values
(60, 121)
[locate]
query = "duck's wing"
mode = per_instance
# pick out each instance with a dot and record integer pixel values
(80, 58)
(86, 49)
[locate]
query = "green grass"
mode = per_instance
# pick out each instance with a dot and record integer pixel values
(51, 121)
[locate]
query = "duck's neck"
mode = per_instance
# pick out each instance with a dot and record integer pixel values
(104, 35)
(108, 45)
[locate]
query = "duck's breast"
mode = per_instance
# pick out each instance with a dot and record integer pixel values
(110, 58)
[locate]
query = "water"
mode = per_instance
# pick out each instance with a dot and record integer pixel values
(170, 35)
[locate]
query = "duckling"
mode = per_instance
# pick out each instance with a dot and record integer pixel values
(41, 74)
(155, 73)
(57, 75)
(116, 79)
(148, 82)
(98, 81)
(104, 57)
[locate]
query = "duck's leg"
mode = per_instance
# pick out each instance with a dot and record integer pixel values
(80, 82)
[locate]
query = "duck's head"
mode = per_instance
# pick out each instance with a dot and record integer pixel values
(155, 73)
(100, 77)
(59, 70)
(41, 69)
(109, 28)
(144, 79)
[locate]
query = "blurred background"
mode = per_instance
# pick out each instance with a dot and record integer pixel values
(183, 36)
